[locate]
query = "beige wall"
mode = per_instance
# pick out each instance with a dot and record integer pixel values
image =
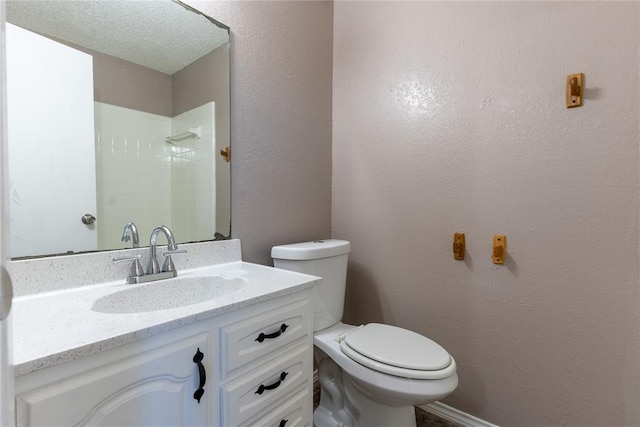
(281, 60)
(125, 84)
(202, 81)
(117, 81)
(450, 117)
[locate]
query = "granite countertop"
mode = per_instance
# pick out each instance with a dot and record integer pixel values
(55, 327)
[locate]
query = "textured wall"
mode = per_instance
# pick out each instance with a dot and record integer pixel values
(450, 117)
(194, 86)
(123, 83)
(281, 60)
(204, 80)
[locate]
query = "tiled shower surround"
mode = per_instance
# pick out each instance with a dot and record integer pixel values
(142, 178)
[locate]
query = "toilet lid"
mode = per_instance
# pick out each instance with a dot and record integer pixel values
(397, 347)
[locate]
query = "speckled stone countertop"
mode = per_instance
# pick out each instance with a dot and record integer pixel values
(32, 276)
(50, 328)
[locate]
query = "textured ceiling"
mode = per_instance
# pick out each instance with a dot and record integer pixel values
(158, 34)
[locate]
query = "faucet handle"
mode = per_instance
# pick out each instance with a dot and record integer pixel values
(168, 262)
(136, 268)
(118, 260)
(176, 252)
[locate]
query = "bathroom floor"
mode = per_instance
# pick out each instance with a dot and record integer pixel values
(425, 419)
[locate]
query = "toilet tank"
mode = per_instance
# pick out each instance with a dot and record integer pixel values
(327, 259)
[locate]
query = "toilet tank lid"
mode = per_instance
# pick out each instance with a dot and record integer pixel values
(311, 250)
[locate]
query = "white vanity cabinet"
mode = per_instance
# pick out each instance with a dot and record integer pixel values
(147, 383)
(266, 371)
(258, 372)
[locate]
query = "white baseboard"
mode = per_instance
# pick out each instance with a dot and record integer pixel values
(452, 414)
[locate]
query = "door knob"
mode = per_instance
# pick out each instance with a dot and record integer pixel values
(88, 219)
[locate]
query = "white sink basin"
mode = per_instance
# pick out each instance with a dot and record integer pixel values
(167, 294)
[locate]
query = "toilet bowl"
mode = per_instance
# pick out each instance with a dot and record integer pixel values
(370, 375)
(392, 390)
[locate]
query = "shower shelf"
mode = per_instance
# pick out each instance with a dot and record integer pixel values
(192, 133)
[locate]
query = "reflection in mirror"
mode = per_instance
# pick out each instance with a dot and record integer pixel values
(118, 110)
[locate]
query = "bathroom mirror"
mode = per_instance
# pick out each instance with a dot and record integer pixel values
(118, 112)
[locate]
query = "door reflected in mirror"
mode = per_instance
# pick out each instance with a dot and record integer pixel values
(118, 110)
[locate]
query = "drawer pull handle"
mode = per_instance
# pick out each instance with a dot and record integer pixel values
(275, 385)
(283, 423)
(197, 359)
(276, 334)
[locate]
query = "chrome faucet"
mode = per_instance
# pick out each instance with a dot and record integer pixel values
(136, 274)
(154, 267)
(130, 228)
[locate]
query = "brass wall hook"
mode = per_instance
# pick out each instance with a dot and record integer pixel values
(499, 248)
(226, 153)
(575, 90)
(458, 246)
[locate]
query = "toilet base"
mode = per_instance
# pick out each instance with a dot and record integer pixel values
(334, 409)
(343, 405)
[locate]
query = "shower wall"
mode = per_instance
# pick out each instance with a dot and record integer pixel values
(193, 173)
(141, 178)
(133, 172)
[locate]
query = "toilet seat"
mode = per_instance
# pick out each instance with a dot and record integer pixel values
(397, 351)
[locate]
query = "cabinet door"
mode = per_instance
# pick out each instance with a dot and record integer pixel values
(155, 388)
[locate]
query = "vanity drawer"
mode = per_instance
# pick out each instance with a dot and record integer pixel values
(249, 339)
(250, 394)
(294, 410)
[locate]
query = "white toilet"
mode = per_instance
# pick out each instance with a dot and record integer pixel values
(370, 375)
